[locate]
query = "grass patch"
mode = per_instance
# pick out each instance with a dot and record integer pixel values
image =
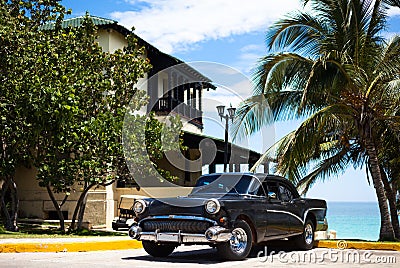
(39, 231)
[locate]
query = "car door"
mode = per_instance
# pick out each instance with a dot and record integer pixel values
(293, 207)
(278, 222)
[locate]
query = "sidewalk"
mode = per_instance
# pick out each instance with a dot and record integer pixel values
(123, 243)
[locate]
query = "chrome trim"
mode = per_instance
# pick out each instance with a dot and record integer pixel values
(294, 215)
(134, 232)
(239, 241)
(143, 204)
(217, 203)
(287, 212)
(182, 237)
(179, 217)
(218, 234)
(309, 234)
(212, 235)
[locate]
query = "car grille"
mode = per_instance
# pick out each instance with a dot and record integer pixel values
(185, 226)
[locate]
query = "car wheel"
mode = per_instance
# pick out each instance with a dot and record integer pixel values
(157, 250)
(305, 241)
(239, 246)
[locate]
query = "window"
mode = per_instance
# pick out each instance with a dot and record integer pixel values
(273, 187)
(285, 194)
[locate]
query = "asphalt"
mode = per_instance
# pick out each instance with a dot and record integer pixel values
(120, 243)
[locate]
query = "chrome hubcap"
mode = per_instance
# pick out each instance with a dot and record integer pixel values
(238, 240)
(308, 234)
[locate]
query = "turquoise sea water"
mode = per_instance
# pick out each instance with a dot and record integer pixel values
(356, 220)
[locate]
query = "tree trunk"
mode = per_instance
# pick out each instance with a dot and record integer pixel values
(82, 212)
(386, 230)
(10, 217)
(4, 209)
(57, 207)
(14, 204)
(78, 206)
(391, 196)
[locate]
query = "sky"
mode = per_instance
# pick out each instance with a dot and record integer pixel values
(229, 36)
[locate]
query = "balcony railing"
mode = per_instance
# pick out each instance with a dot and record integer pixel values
(167, 105)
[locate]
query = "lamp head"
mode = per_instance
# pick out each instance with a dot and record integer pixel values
(221, 109)
(231, 112)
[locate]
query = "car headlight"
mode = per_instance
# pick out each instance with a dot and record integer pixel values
(139, 206)
(212, 206)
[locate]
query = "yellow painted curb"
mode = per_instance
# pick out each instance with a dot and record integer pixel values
(343, 244)
(70, 246)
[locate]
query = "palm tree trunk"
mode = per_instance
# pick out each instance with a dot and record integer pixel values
(391, 195)
(386, 230)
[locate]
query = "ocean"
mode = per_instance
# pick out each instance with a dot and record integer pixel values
(354, 220)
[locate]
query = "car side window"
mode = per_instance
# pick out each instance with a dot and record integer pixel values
(262, 190)
(273, 187)
(285, 194)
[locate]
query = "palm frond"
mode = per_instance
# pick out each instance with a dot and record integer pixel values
(300, 32)
(326, 168)
(251, 116)
(286, 64)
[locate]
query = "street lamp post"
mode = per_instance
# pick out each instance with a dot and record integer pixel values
(230, 115)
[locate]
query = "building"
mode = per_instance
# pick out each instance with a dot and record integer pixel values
(174, 88)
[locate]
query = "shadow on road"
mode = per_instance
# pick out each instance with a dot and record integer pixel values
(202, 256)
(210, 255)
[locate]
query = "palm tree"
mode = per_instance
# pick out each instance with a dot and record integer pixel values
(330, 67)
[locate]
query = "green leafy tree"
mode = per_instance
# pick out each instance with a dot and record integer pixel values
(19, 22)
(331, 68)
(87, 111)
(63, 102)
(85, 93)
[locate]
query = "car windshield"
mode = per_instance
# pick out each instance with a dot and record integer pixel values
(223, 184)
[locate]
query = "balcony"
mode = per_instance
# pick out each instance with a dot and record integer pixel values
(167, 105)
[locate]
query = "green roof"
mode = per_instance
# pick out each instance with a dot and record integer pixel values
(77, 22)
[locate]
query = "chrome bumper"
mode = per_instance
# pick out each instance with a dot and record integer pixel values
(212, 235)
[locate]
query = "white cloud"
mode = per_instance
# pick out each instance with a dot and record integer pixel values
(251, 47)
(394, 11)
(247, 60)
(389, 35)
(173, 25)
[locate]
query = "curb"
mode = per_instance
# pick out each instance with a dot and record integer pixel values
(345, 244)
(70, 246)
(83, 246)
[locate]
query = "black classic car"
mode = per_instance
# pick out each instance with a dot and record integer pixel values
(231, 211)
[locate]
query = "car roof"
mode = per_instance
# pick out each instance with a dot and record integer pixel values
(260, 176)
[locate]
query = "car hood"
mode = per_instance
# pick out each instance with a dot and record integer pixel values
(182, 205)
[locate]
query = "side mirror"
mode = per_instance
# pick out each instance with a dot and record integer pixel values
(271, 195)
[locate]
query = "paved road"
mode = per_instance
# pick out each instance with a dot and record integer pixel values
(196, 256)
